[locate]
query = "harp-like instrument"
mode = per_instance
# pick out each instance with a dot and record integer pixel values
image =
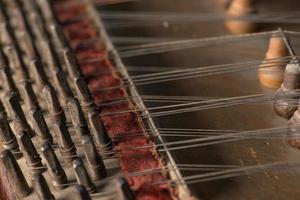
(95, 103)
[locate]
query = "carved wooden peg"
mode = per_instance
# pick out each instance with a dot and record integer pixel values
(3, 58)
(16, 60)
(84, 94)
(62, 84)
(40, 126)
(2, 110)
(95, 162)
(33, 159)
(28, 95)
(240, 8)
(54, 168)
(15, 176)
(58, 36)
(102, 140)
(26, 43)
(39, 74)
(7, 137)
(82, 176)
(72, 64)
(7, 36)
(57, 75)
(5, 73)
(50, 56)
(47, 11)
(41, 188)
(8, 81)
(124, 191)
(293, 130)
(58, 118)
(77, 116)
(12, 101)
(65, 143)
(286, 96)
(270, 73)
(53, 104)
(81, 193)
(38, 29)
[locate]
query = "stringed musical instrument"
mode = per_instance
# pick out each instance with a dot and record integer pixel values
(150, 100)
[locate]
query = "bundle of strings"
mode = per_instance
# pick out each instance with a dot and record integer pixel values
(190, 75)
(145, 150)
(144, 47)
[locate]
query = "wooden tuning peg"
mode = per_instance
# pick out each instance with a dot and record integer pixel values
(95, 162)
(15, 175)
(271, 71)
(82, 176)
(81, 193)
(124, 191)
(41, 187)
(293, 130)
(33, 159)
(240, 8)
(286, 96)
(56, 173)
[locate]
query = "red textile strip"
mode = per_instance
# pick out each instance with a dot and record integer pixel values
(83, 37)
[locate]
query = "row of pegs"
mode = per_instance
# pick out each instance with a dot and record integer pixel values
(284, 76)
(41, 189)
(25, 57)
(57, 80)
(76, 110)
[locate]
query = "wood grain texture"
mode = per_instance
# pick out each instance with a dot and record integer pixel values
(6, 192)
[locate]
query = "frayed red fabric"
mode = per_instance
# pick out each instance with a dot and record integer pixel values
(69, 12)
(101, 74)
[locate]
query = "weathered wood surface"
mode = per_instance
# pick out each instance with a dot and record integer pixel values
(268, 185)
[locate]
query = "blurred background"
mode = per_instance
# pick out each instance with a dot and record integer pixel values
(141, 22)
